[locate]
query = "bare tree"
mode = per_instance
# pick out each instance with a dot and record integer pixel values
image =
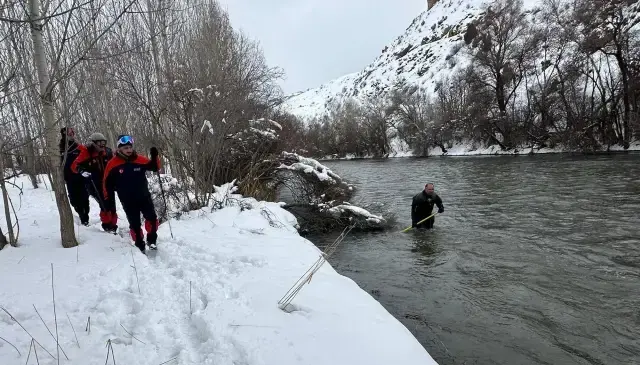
(414, 112)
(8, 73)
(607, 28)
(53, 69)
(504, 47)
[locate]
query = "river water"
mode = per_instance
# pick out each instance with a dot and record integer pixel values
(536, 259)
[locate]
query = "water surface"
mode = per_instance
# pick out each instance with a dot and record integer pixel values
(536, 259)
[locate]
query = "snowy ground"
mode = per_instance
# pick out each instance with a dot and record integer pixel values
(209, 297)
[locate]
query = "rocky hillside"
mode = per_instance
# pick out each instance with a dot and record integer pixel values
(430, 48)
(426, 51)
(561, 74)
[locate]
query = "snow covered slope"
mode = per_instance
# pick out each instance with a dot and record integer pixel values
(421, 56)
(209, 297)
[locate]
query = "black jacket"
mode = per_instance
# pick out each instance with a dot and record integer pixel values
(422, 206)
(69, 151)
(126, 176)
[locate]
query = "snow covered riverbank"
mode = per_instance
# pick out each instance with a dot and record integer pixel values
(209, 296)
(469, 149)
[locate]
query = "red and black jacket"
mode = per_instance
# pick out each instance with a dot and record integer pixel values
(126, 176)
(93, 161)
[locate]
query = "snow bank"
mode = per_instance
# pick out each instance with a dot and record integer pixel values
(209, 296)
(472, 149)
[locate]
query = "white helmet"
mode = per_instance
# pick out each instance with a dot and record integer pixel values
(95, 137)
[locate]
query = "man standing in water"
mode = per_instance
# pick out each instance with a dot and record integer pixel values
(422, 206)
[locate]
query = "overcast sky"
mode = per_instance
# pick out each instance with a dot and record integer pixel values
(315, 41)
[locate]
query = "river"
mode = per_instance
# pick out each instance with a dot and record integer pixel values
(536, 259)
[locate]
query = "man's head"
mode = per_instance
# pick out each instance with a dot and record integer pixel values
(125, 145)
(98, 140)
(428, 188)
(68, 133)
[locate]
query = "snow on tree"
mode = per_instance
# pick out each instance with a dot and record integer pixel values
(318, 189)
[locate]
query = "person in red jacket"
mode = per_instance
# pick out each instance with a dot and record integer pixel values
(125, 174)
(91, 164)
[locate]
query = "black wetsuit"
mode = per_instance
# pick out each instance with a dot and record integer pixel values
(421, 208)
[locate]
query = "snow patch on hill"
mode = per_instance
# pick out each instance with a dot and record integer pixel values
(427, 51)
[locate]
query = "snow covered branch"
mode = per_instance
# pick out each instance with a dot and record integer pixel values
(317, 182)
(322, 196)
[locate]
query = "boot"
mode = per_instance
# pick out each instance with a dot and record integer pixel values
(152, 238)
(84, 219)
(108, 227)
(138, 238)
(141, 246)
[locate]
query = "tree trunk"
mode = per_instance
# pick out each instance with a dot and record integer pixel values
(5, 200)
(27, 166)
(7, 210)
(3, 240)
(28, 150)
(502, 105)
(624, 70)
(67, 232)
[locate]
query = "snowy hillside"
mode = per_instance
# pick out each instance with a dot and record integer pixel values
(463, 119)
(421, 56)
(210, 296)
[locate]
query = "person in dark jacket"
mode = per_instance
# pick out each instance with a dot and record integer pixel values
(91, 164)
(125, 174)
(76, 188)
(422, 206)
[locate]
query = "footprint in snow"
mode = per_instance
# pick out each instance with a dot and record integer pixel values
(231, 294)
(201, 331)
(256, 262)
(179, 273)
(204, 300)
(241, 356)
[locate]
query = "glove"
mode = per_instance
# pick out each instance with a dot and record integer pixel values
(441, 210)
(154, 153)
(86, 174)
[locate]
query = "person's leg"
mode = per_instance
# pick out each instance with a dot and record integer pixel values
(429, 223)
(79, 199)
(72, 192)
(105, 216)
(108, 215)
(151, 222)
(114, 218)
(83, 195)
(132, 210)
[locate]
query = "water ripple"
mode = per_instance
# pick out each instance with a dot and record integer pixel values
(535, 260)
